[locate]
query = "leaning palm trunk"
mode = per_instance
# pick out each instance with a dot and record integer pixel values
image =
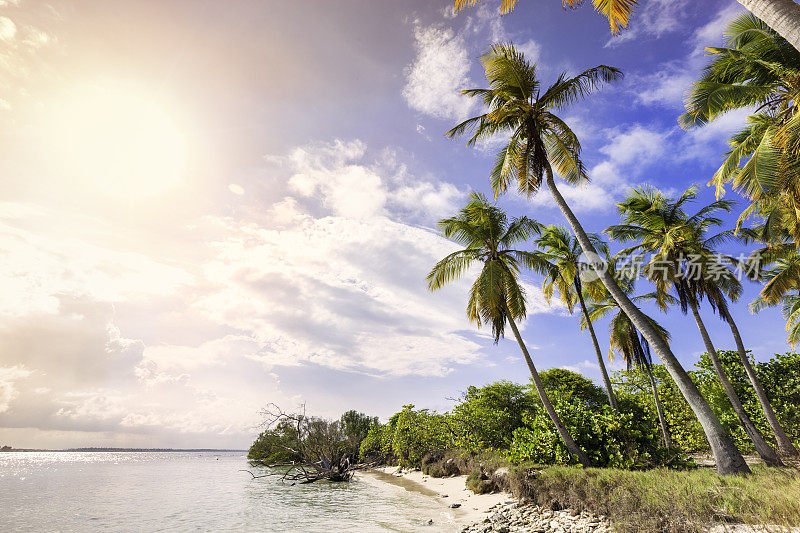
(612, 399)
(572, 447)
(785, 445)
(727, 456)
(764, 450)
(662, 420)
(783, 16)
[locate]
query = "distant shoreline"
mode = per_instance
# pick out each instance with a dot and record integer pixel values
(122, 450)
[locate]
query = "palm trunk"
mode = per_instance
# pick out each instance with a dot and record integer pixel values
(612, 399)
(783, 16)
(572, 447)
(785, 445)
(764, 450)
(728, 458)
(659, 409)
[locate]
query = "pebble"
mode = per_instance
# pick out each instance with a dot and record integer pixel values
(513, 517)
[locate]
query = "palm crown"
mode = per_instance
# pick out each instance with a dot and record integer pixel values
(560, 257)
(663, 228)
(488, 237)
(515, 104)
(757, 68)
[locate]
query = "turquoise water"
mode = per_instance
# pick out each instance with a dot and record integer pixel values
(184, 491)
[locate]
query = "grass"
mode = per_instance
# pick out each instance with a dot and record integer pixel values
(666, 500)
(658, 500)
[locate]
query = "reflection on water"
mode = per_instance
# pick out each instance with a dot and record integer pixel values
(182, 491)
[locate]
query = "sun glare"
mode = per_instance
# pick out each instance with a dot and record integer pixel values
(117, 142)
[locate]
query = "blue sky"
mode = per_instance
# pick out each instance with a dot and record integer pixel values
(264, 231)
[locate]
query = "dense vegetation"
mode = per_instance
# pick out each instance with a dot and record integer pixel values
(507, 419)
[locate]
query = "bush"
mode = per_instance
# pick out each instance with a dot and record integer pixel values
(272, 445)
(780, 377)
(377, 445)
(479, 483)
(487, 416)
(418, 433)
(621, 439)
(633, 387)
(570, 387)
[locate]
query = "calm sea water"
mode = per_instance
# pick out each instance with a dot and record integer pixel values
(183, 491)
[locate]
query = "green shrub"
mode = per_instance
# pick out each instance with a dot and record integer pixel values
(377, 445)
(479, 483)
(621, 439)
(487, 416)
(633, 387)
(418, 433)
(570, 387)
(273, 445)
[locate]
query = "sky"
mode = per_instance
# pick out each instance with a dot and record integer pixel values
(210, 206)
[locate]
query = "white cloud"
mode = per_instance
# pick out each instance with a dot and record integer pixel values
(190, 336)
(667, 86)
(530, 49)
(8, 376)
(8, 30)
(654, 19)
(628, 151)
(437, 75)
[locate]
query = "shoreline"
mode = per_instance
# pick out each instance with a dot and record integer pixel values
(472, 508)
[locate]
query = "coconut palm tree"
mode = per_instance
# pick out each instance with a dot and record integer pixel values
(756, 69)
(624, 337)
(561, 253)
(684, 261)
(496, 297)
(631, 345)
(541, 144)
(782, 15)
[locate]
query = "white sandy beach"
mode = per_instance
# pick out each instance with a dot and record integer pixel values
(448, 491)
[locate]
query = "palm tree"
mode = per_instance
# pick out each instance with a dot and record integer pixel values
(782, 15)
(618, 12)
(496, 296)
(541, 142)
(684, 261)
(757, 69)
(561, 254)
(625, 339)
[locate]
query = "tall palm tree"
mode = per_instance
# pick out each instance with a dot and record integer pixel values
(684, 261)
(561, 253)
(496, 296)
(756, 69)
(782, 15)
(540, 143)
(627, 341)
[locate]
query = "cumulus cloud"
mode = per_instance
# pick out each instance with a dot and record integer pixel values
(444, 55)
(438, 73)
(189, 338)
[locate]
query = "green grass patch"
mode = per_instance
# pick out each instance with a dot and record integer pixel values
(663, 499)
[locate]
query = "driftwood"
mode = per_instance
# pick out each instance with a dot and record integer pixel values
(319, 448)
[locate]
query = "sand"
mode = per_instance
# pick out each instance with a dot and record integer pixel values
(447, 491)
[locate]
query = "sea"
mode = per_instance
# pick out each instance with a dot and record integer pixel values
(195, 491)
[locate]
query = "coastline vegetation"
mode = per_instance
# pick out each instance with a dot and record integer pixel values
(631, 449)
